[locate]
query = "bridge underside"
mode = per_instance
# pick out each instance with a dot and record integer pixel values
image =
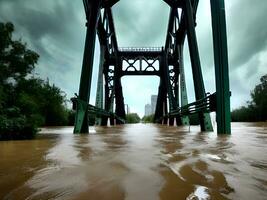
(165, 62)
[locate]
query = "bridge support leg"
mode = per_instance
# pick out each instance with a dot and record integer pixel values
(120, 109)
(165, 110)
(108, 97)
(100, 84)
(184, 99)
(223, 115)
(81, 119)
(104, 119)
(159, 107)
(204, 117)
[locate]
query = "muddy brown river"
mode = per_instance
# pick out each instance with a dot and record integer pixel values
(137, 162)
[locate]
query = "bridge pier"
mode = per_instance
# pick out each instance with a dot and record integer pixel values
(81, 119)
(204, 117)
(100, 83)
(184, 99)
(223, 113)
(120, 109)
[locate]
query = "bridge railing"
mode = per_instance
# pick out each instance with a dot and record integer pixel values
(140, 49)
(207, 104)
(99, 112)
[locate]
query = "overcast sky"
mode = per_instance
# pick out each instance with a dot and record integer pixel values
(56, 30)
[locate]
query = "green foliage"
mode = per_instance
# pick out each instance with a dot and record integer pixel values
(16, 61)
(244, 114)
(148, 119)
(14, 125)
(37, 96)
(25, 103)
(132, 118)
(259, 99)
(256, 110)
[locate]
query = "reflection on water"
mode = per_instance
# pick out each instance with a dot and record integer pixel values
(137, 162)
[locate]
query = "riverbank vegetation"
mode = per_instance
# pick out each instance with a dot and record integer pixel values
(148, 119)
(26, 102)
(132, 118)
(256, 109)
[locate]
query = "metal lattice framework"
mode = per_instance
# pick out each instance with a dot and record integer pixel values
(165, 62)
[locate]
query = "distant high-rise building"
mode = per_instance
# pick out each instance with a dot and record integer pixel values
(127, 109)
(148, 110)
(154, 99)
(151, 108)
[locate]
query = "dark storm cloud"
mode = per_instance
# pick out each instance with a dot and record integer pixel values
(247, 30)
(141, 23)
(55, 29)
(55, 21)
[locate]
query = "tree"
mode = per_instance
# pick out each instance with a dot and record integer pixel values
(26, 102)
(256, 109)
(259, 98)
(148, 119)
(132, 118)
(16, 62)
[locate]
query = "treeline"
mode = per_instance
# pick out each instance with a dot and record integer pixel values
(132, 118)
(26, 102)
(148, 119)
(256, 109)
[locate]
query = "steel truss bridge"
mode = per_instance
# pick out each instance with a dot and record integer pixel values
(165, 62)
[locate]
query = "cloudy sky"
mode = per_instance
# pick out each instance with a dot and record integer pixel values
(56, 30)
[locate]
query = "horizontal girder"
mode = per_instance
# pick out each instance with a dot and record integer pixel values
(134, 54)
(174, 3)
(140, 64)
(140, 73)
(109, 3)
(140, 49)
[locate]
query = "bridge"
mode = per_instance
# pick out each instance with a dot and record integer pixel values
(165, 62)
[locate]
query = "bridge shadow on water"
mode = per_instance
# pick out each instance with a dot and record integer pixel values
(142, 161)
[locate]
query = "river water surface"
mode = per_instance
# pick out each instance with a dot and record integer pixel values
(137, 162)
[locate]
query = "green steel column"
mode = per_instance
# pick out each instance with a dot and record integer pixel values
(165, 109)
(120, 108)
(104, 119)
(81, 118)
(165, 68)
(223, 115)
(184, 98)
(112, 107)
(160, 100)
(172, 104)
(205, 121)
(100, 83)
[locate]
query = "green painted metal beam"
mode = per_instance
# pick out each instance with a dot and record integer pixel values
(223, 115)
(119, 100)
(166, 78)
(81, 121)
(184, 98)
(204, 117)
(160, 100)
(100, 83)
